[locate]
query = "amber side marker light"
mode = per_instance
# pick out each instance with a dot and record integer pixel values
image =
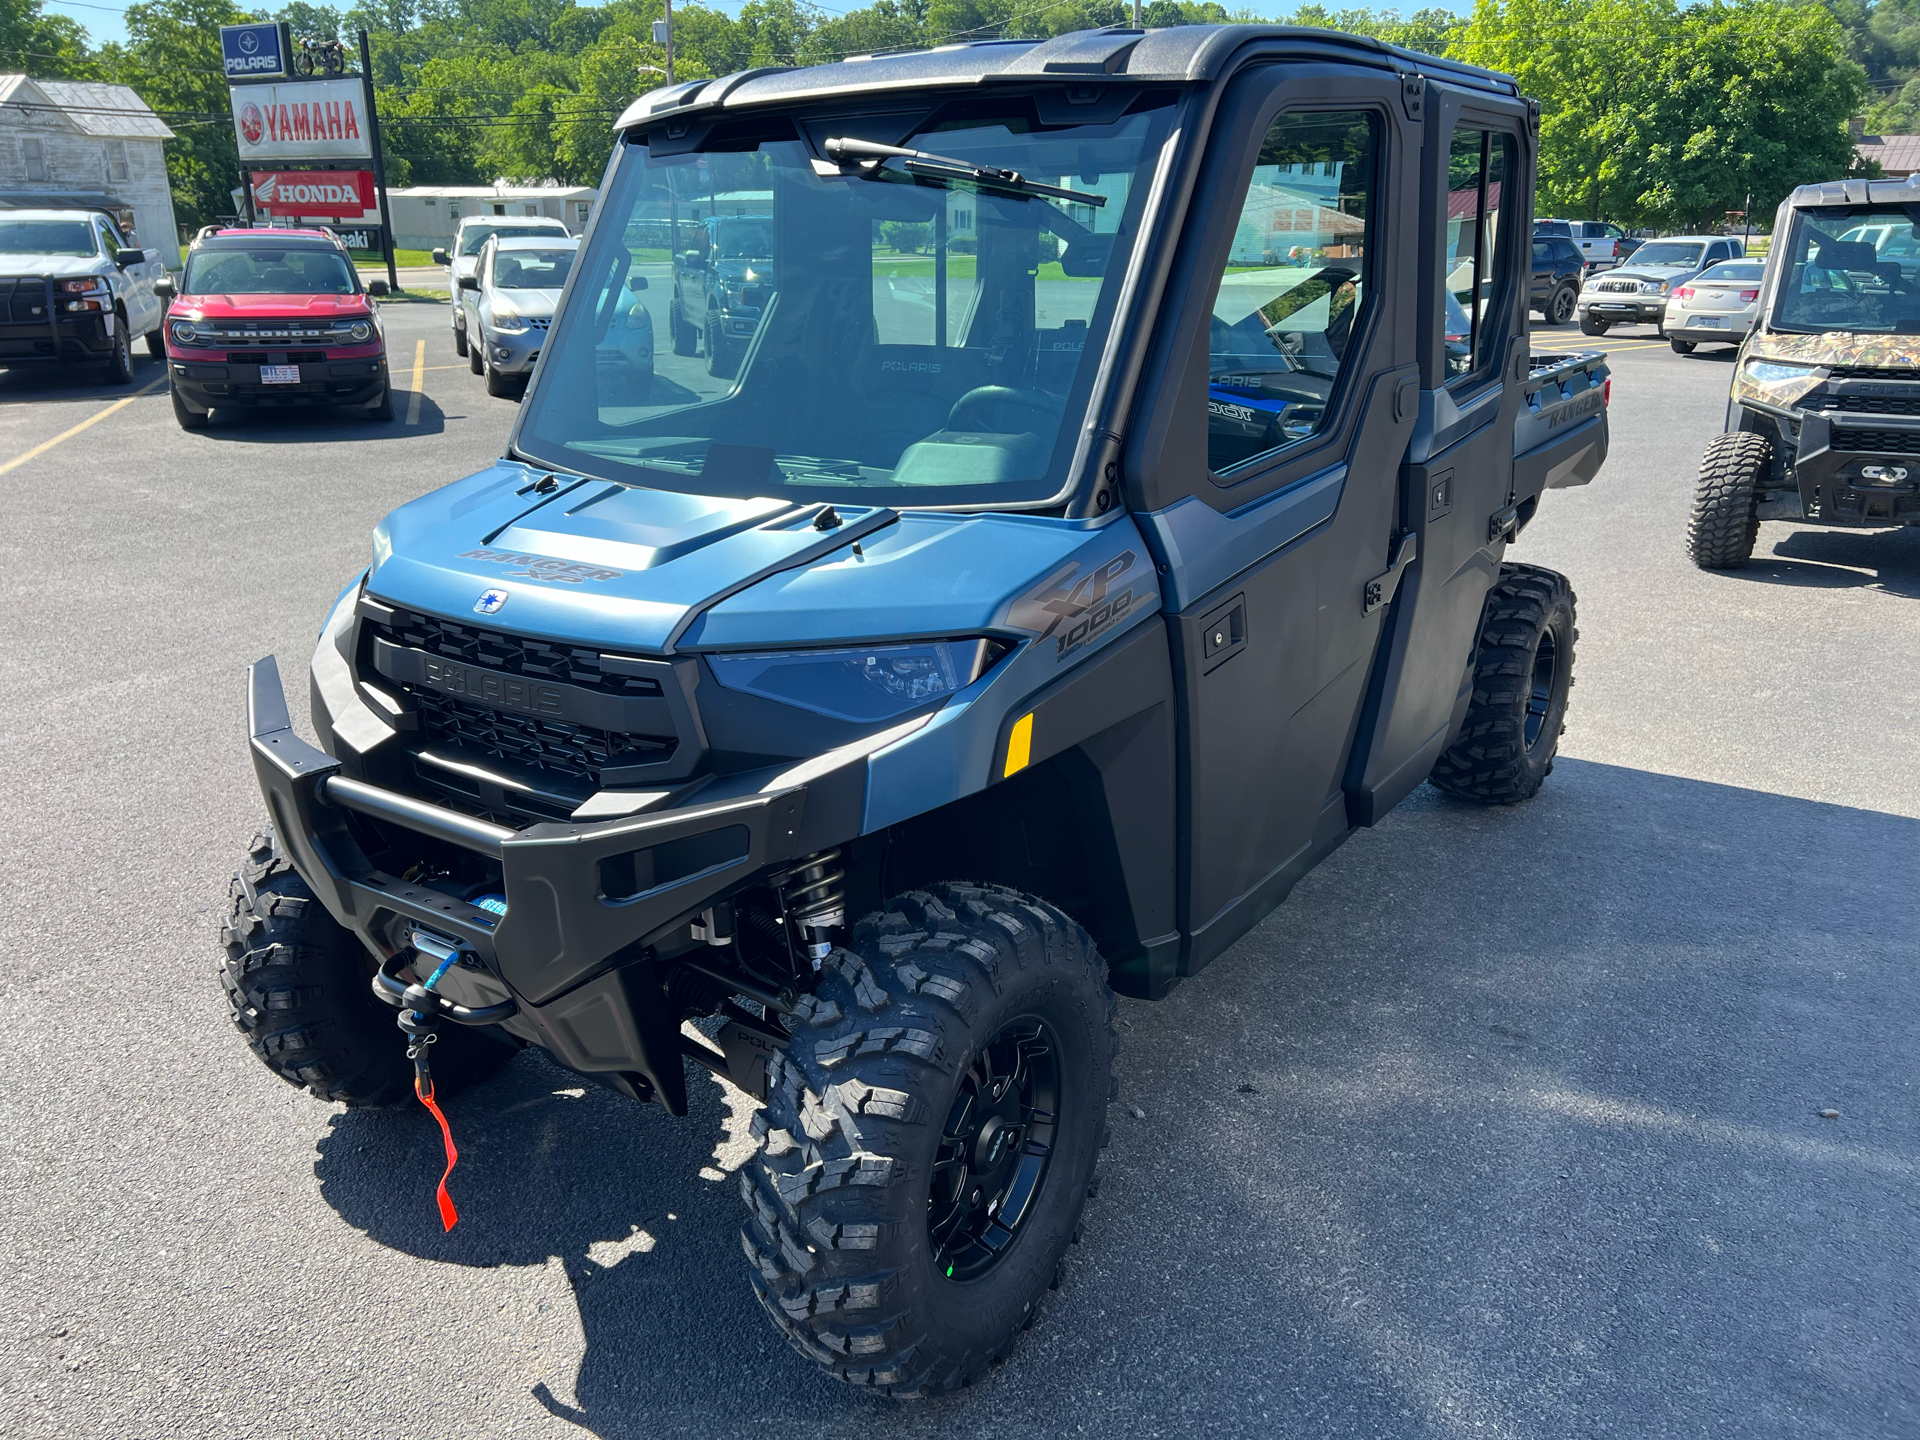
(1019, 745)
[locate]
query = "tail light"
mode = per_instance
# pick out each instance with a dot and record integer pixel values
(1749, 294)
(1685, 292)
(1606, 392)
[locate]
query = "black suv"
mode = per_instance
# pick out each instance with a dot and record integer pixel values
(1557, 266)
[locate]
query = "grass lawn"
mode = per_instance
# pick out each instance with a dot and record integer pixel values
(400, 257)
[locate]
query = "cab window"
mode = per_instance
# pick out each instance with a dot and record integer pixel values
(1292, 295)
(1474, 260)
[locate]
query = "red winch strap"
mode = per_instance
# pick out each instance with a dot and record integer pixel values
(448, 1215)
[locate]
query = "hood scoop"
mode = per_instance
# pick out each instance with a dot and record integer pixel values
(633, 529)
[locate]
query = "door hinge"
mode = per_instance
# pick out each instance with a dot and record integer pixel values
(1381, 588)
(1504, 521)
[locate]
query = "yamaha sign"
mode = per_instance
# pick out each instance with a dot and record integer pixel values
(256, 52)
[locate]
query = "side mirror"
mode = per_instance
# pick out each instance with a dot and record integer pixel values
(636, 283)
(126, 259)
(693, 260)
(378, 289)
(164, 288)
(469, 282)
(440, 258)
(1086, 256)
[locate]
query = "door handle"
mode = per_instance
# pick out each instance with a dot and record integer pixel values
(1382, 588)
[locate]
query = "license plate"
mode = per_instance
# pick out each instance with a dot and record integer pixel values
(1708, 322)
(279, 374)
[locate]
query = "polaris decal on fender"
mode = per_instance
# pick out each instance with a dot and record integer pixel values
(542, 567)
(1074, 611)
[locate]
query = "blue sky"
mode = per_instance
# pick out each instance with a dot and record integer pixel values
(104, 20)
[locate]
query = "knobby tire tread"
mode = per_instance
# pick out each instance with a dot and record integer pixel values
(1725, 521)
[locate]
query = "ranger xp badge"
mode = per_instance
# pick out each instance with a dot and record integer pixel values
(490, 602)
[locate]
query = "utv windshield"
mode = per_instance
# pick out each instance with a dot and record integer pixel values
(845, 329)
(1852, 268)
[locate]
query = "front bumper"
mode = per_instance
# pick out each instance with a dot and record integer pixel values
(584, 901)
(513, 353)
(1828, 460)
(25, 338)
(1625, 309)
(217, 381)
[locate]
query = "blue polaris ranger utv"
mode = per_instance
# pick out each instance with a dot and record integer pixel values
(1099, 512)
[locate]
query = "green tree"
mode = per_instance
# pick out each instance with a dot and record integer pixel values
(50, 46)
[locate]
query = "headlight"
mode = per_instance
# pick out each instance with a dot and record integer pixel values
(875, 682)
(1772, 372)
(508, 322)
(184, 332)
(360, 331)
(92, 285)
(639, 319)
(1652, 287)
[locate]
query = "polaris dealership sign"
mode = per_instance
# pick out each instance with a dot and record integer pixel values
(256, 52)
(305, 120)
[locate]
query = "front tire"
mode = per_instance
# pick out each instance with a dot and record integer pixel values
(1560, 309)
(1680, 347)
(1593, 325)
(382, 409)
(722, 358)
(189, 419)
(156, 345)
(460, 341)
(477, 357)
(1522, 673)
(299, 989)
(119, 367)
(1725, 521)
(686, 339)
(503, 387)
(952, 1071)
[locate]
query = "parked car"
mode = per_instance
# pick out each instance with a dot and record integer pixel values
(1894, 242)
(508, 303)
(721, 283)
(1636, 292)
(898, 706)
(1716, 307)
(1557, 267)
(1602, 244)
(75, 290)
(463, 257)
(274, 317)
(1823, 423)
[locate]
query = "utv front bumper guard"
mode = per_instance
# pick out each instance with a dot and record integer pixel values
(567, 966)
(1826, 467)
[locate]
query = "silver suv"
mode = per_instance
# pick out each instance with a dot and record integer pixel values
(1636, 293)
(75, 290)
(463, 259)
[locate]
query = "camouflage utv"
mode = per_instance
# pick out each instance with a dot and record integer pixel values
(1824, 422)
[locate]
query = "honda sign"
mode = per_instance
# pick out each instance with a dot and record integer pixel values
(312, 192)
(305, 120)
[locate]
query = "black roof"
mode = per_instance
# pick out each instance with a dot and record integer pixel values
(1186, 54)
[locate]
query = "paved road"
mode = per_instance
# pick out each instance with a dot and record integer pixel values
(1505, 1126)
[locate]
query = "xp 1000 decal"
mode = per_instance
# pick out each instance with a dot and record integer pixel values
(1077, 604)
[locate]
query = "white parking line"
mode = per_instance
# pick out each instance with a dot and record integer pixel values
(419, 380)
(46, 445)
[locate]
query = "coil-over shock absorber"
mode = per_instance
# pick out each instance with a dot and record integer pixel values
(813, 901)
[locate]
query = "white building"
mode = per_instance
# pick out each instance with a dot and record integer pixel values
(83, 143)
(425, 216)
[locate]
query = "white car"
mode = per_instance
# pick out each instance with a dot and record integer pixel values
(1717, 307)
(1637, 291)
(463, 259)
(508, 304)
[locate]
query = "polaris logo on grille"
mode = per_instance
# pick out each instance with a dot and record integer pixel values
(502, 692)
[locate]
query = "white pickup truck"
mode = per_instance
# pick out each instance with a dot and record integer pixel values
(1603, 244)
(73, 289)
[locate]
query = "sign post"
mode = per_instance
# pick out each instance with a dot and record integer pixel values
(379, 163)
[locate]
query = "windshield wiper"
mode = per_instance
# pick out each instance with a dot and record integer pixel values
(846, 150)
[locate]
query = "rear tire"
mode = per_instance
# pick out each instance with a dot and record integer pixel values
(1680, 347)
(1522, 674)
(865, 1150)
(1591, 325)
(299, 989)
(1725, 523)
(1561, 308)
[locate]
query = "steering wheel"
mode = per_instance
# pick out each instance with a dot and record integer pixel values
(969, 412)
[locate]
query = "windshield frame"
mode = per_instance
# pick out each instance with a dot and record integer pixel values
(1096, 430)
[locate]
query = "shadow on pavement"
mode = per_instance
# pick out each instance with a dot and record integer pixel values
(301, 426)
(1840, 560)
(65, 384)
(1507, 1124)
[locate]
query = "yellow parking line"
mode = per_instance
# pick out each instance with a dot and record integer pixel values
(419, 379)
(46, 445)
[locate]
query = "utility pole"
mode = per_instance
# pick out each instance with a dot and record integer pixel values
(379, 161)
(663, 35)
(1136, 16)
(1746, 218)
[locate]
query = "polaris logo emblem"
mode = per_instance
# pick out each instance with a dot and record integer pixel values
(490, 602)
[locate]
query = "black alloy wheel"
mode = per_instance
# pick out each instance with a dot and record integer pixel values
(1561, 307)
(1547, 687)
(994, 1150)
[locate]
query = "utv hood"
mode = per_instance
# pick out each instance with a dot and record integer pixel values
(651, 572)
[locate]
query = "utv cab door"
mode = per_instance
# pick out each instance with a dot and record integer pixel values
(1264, 462)
(1458, 484)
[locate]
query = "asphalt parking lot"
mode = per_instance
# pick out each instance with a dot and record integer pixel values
(1506, 1125)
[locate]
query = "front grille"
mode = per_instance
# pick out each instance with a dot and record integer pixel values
(1877, 442)
(1619, 287)
(539, 322)
(575, 752)
(1868, 404)
(23, 300)
(513, 654)
(1871, 372)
